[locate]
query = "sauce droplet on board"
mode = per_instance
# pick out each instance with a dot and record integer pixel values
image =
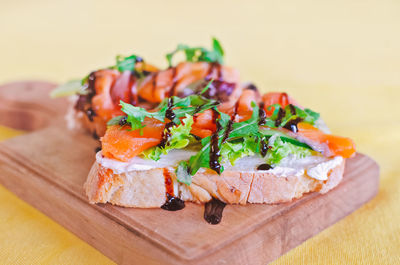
(213, 211)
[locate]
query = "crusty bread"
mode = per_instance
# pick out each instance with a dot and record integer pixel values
(146, 188)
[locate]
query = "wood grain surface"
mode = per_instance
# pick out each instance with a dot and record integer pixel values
(48, 166)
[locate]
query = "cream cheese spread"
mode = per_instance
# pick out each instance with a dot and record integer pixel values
(316, 167)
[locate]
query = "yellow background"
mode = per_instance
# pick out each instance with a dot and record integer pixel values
(341, 58)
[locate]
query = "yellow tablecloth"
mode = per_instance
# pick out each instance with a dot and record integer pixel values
(340, 58)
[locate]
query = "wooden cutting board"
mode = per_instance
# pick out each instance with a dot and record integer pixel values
(48, 166)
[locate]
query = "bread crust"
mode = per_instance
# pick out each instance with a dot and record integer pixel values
(146, 188)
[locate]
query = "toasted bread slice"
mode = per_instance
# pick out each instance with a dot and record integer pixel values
(241, 184)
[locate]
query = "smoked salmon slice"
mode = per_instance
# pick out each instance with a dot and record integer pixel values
(328, 144)
(172, 81)
(122, 143)
(280, 98)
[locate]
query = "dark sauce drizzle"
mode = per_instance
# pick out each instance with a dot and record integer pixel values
(281, 114)
(92, 92)
(95, 136)
(263, 148)
(230, 124)
(261, 114)
(84, 101)
(252, 87)
(172, 203)
(292, 109)
(264, 167)
(123, 121)
(214, 146)
(213, 211)
(292, 124)
(154, 81)
(169, 114)
(174, 83)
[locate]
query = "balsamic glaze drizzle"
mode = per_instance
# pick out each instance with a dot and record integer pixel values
(263, 148)
(123, 121)
(174, 83)
(261, 114)
(95, 136)
(292, 109)
(292, 124)
(230, 123)
(281, 114)
(214, 145)
(154, 83)
(252, 87)
(169, 114)
(90, 113)
(264, 167)
(213, 211)
(84, 101)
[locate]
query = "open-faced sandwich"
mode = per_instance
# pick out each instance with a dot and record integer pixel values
(193, 132)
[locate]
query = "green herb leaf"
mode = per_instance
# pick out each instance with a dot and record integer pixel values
(217, 47)
(126, 63)
(136, 115)
(199, 54)
(206, 87)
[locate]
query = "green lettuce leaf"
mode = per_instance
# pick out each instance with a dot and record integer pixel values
(126, 63)
(279, 149)
(237, 149)
(199, 54)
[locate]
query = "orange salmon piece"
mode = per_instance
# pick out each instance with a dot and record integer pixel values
(102, 102)
(203, 124)
(123, 144)
(282, 99)
(158, 86)
(337, 145)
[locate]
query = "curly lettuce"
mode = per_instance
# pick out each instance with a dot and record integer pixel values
(235, 150)
(279, 149)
